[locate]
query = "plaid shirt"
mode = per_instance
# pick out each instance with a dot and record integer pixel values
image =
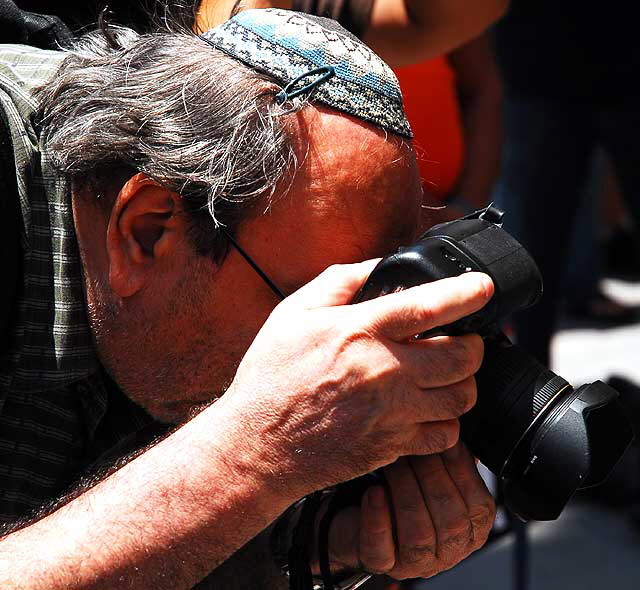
(59, 412)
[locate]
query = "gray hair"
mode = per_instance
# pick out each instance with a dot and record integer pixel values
(171, 106)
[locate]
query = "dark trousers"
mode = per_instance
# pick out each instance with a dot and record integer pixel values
(549, 146)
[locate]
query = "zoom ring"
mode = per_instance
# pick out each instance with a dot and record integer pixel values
(542, 397)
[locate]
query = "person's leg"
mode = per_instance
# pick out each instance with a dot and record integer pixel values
(583, 296)
(620, 237)
(619, 129)
(546, 152)
(580, 283)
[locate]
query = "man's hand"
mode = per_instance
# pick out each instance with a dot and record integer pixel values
(334, 391)
(326, 392)
(436, 512)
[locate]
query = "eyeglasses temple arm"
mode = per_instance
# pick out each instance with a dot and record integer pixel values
(253, 265)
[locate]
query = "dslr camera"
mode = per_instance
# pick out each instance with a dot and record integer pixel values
(540, 436)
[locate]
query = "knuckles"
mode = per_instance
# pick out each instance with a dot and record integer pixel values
(460, 398)
(461, 536)
(468, 352)
(425, 316)
(476, 348)
(482, 519)
(469, 395)
(432, 438)
(449, 359)
(378, 565)
(456, 538)
(414, 558)
(441, 436)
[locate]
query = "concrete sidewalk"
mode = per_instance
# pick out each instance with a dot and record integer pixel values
(588, 548)
(586, 354)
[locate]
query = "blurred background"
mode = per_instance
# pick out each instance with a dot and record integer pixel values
(545, 125)
(546, 120)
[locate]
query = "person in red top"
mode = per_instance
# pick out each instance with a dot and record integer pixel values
(454, 106)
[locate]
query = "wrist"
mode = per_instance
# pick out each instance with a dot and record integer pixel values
(256, 451)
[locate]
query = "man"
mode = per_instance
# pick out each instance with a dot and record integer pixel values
(139, 306)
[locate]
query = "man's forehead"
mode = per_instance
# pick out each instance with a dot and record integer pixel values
(356, 195)
(356, 184)
(339, 148)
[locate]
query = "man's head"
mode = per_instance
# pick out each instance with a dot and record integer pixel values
(180, 139)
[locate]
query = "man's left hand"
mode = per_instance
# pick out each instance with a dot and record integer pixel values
(434, 513)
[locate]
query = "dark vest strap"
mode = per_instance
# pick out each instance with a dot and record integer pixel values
(29, 28)
(46, 32)
(10, 224)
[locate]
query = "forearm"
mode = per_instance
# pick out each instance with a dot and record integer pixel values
(480, 92)
(162, 521)
(483, 142)
(409, 31)
(469, 18)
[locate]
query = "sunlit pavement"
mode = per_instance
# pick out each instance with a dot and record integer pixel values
(589, 547)
(585, 354)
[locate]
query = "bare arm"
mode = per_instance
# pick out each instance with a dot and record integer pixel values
(177, 511)
(210, 13)
(155, 523)
(480, 92)
(403, 32)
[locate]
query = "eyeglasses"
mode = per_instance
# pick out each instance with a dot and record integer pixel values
(252, 264)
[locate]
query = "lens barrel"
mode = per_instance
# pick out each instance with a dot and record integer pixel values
(539, 435)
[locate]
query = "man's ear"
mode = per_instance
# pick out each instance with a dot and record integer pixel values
(146, 224)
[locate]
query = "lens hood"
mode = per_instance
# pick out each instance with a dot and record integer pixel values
(593, 431)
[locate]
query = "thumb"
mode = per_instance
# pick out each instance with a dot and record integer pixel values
(337, 285)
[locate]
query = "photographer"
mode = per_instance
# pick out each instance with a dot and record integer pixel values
(149, 168)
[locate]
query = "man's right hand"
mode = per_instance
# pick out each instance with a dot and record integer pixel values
(333, 391)
(327, 392)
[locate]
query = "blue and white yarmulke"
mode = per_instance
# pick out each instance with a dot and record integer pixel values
(288, 45)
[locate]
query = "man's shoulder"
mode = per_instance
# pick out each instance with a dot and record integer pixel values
(22, 70)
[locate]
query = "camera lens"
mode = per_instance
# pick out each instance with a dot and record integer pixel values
(540, 436)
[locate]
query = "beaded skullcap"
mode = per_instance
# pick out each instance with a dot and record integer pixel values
(315, 55)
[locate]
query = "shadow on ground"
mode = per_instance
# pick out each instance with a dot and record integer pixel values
(588, 548)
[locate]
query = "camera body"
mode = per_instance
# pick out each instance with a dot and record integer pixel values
(541, 437)
(476, 242)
